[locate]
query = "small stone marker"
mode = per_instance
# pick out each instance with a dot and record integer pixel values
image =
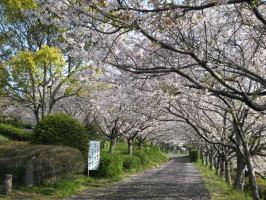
(7, 185)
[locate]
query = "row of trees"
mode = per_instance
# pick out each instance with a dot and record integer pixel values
(180, 70)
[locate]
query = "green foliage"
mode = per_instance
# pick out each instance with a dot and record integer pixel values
(144, 157)
(262, 186)
(194, 155)
(32, 64)
(217, 187)
(27, 71)
(61, 129)
(131, 162)
(3, 139)
(111, 166)
(150, 157)
(13, 8)
(93, 131)
(65, 186)
(14, 133)
(15, 121)
(50, 161)
(121, 148)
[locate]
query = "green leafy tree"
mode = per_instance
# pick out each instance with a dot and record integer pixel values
(33, 73)
(40, 79)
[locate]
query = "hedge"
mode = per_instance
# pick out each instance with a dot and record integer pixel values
(61, 129)
(150, 157)
(131, 162)
(15, 121)
(49, 161)
(144, 158)
(194, 155)
(111, 166)
(14, 133)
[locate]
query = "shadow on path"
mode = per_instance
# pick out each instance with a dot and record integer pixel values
(177, 179)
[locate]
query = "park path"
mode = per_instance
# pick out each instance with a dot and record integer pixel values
(177, 179)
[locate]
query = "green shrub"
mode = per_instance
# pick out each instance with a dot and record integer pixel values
(156, 156)
(61, 129)
(49, 161)
(111, 166)
(155, 148)
(194, 155)
(14, 133)
(262, 186)
(150, 157)
(131, 162)
(144, 157)
(15, 121)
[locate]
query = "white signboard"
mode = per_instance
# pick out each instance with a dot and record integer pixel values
(94, 155)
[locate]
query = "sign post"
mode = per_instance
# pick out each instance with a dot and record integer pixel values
(93, 156)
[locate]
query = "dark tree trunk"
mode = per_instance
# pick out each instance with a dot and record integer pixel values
(211, 160)
(36, 114)
(112, 145)
(240, 173)
(222, 168)
(217, 165)
(252, 179)
(228, 172)
(206, 159)
(129, 146)
(201, 156)
(141, 144)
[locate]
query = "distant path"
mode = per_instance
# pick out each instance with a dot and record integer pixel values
(177, 179)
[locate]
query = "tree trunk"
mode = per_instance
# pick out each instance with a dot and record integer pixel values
(44, 91)
(252, 179)
(211, 160)
(112, 145)
(227, 172)
(129, 146)
(240, 173)
(206, 159)
(217, 165)
(141, 144)
(36, 114)
(222, 168)
(201, 157)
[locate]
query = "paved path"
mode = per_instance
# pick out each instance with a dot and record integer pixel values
(177, 179)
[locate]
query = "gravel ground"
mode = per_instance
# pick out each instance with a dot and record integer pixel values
(177, 179)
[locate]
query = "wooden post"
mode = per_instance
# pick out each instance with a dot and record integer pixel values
(7, 185)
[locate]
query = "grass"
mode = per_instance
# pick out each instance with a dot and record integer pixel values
(58, 189)
(3, 138)
(14, 133)
(181, 155)
(262, 186)
(217, 187)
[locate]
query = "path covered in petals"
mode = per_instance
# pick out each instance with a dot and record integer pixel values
(177, 179)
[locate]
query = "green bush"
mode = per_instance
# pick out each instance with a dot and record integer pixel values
(144, 157)
(194, 155)
(14, 133)
(49, 161)
(150, 157)
(131, 162)
(111, 166)
(156, 156)
(61, 129)
(15, 121)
